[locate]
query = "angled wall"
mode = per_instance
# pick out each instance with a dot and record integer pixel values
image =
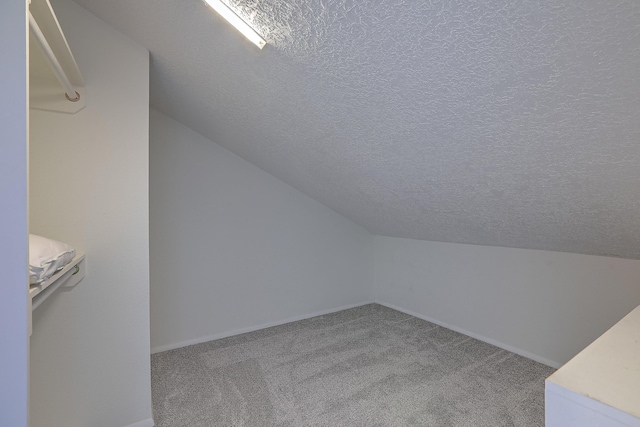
(89, 186)
(235, 249)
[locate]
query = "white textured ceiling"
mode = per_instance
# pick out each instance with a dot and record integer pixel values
(498, 122)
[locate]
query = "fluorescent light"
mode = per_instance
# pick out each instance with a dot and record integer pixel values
(235, 20)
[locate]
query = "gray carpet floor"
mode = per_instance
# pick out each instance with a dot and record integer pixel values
(367, 366)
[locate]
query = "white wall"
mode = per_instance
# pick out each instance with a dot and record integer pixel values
(233, 248)
(14, 342)
(89, 187)
(547, 305)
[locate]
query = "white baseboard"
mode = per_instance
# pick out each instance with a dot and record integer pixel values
(251, 329)
(521, 352)
(144, 423)
(200, 340)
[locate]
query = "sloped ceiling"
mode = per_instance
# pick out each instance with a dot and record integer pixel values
(497, 122)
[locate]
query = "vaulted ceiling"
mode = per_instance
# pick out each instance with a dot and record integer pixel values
(495, 122)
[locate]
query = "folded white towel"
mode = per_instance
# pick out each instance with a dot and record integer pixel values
(47, 256)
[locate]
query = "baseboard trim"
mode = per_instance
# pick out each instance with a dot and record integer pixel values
(144, 423)
(227, 334)
(504, 346)
(200, 340)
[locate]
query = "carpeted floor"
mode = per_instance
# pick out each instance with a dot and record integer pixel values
(367, 366)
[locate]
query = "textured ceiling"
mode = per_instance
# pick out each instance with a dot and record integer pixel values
(509, 123)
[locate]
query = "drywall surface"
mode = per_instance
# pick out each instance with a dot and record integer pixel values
(546, 305)
(89, 187)
(504, 123)
(14, 335)
(233, 248)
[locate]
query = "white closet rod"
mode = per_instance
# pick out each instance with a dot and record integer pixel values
(71, 93)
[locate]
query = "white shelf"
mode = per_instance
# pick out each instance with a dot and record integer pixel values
(603, 379)
(70, 275)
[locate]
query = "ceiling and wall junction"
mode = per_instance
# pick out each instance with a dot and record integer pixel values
(499, 123)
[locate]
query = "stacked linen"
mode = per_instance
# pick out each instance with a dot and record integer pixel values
(46, 256)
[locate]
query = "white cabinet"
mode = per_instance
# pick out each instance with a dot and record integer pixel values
(601, 385)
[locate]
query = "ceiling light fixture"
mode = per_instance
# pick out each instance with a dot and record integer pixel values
(237, 22)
